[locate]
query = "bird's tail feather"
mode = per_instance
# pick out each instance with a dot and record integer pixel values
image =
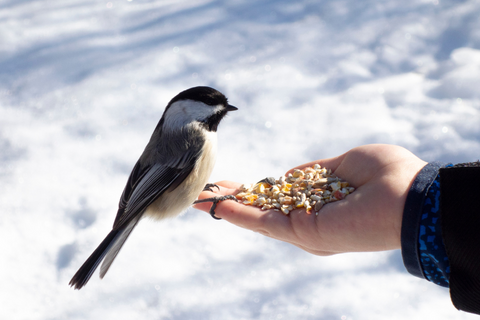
(117, 245)
(109, 248)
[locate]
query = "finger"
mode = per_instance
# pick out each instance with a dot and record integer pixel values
(267, 222)
(224, 188)
(315, 251)
(228, 184)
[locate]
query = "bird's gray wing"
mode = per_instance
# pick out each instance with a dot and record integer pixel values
(135, 177)
(145, 185)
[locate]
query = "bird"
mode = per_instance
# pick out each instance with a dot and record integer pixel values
(170, 174)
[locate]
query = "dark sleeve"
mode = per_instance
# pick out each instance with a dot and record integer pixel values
(460, 221)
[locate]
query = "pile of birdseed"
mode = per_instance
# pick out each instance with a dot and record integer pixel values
(310, 188)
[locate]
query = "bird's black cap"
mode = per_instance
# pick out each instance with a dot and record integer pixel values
(206, 95)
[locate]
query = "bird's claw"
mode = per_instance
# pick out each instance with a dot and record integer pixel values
(209, 186)
(215, 201)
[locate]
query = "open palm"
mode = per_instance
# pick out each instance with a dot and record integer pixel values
(369, 219)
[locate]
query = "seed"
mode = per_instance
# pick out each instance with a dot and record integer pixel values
(251, 198)
(260, 201)
(291, 180)
(240, 195)
(320, 182)
(245, 187)
(335, 186)
(260, 188)
(309, 188)
(297, 173)
(339, 195)
(287, 200)
(310, 170)
(318, 206)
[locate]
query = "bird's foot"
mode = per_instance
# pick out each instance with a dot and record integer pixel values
(215, 201)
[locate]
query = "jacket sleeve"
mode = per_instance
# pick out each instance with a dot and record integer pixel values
(460, 222)
(441, 230)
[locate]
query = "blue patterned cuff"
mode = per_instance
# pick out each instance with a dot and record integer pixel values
(412, 217)
(433, 257)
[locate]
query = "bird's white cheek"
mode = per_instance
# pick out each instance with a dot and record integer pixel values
(171, 204)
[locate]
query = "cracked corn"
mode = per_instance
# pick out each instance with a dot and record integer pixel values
(309, 188)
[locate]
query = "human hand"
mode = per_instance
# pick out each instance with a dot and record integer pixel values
(369, 219)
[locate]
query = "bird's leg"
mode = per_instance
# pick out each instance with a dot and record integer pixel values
(214, 201)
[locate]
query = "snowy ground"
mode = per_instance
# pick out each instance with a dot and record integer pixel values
(83, 84)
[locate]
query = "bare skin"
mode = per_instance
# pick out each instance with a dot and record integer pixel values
(369, 219)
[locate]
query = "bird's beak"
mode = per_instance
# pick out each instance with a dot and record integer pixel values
(231, 108)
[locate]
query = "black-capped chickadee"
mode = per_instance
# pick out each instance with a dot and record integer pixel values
(172, 171)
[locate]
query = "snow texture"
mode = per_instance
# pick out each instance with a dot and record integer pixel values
(83, 84)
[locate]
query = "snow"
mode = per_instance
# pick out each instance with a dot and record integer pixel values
(83, 84)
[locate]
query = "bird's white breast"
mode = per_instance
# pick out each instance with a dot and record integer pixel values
(172, 203)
